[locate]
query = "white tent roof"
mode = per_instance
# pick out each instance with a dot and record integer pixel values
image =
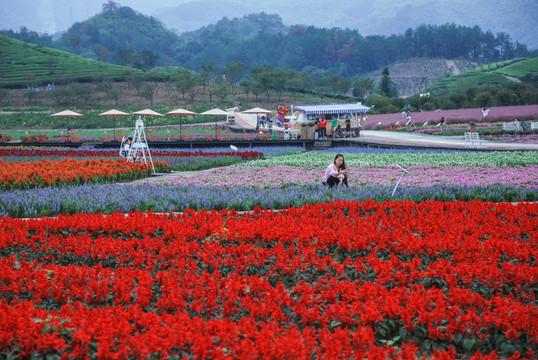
(331, 108)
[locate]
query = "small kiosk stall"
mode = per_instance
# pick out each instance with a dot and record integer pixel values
(308, 113)
(230, 118)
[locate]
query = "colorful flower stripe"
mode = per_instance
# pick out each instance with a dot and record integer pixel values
(337, 280)
(114, 153)
(94, 198)
(281, 176)
(14, 175)
(362, 158)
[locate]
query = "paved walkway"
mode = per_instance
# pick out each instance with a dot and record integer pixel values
(401, 139)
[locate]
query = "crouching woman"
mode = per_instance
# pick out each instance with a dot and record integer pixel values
(336, 173)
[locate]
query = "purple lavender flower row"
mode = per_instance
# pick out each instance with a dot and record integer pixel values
(93, 198)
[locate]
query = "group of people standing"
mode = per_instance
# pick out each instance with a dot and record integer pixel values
(321, 127)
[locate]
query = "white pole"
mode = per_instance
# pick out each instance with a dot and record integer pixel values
(404, 173)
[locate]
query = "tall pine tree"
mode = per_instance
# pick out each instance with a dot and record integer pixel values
(386, 86)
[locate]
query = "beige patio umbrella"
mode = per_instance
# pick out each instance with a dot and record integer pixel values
(67, 114)
(216, 112)
(180, 112)
(257, 111)
(148, 112)
(114, 114)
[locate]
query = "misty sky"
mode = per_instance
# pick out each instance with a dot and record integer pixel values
(369, 17)
(58, 15)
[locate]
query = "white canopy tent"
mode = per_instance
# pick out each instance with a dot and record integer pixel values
(302, 111)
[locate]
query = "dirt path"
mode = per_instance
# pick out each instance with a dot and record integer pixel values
(511, 78)
(451, 64)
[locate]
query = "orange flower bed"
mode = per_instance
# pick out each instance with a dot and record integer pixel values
(19, 175)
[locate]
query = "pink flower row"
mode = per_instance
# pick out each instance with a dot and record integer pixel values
(282, 175)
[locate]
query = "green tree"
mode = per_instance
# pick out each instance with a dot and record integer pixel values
(124, 55)
(261, 75)
(101, 52)
(362, 88)
(221, 89)
(386, 86)
(299, 82)
(234, 71)
(136, 81)
(339, 84)
(110, 6)
(483, 99)
(148, 92)
(246, 85)
(185, 80)
(207, 73)
(322, 86)
(146, 60)
(4, 94)
(82, 92)
(59, 95)
(75, 43)
(110, 90)
(278, 81)
(506, 97)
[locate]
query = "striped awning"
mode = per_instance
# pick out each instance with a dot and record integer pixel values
(331, 108)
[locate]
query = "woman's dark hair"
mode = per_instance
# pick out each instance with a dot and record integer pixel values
(343, 167)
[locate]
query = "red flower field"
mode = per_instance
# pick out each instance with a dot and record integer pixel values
(337, 280)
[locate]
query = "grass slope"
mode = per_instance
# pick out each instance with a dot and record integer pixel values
(491, 74)
(24, 64)
(520, 69)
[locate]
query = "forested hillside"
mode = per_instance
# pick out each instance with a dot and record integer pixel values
(257, 57)
(516, 19)
(27, 69)
(122, 36)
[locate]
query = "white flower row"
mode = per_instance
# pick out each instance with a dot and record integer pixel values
(320, 159)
